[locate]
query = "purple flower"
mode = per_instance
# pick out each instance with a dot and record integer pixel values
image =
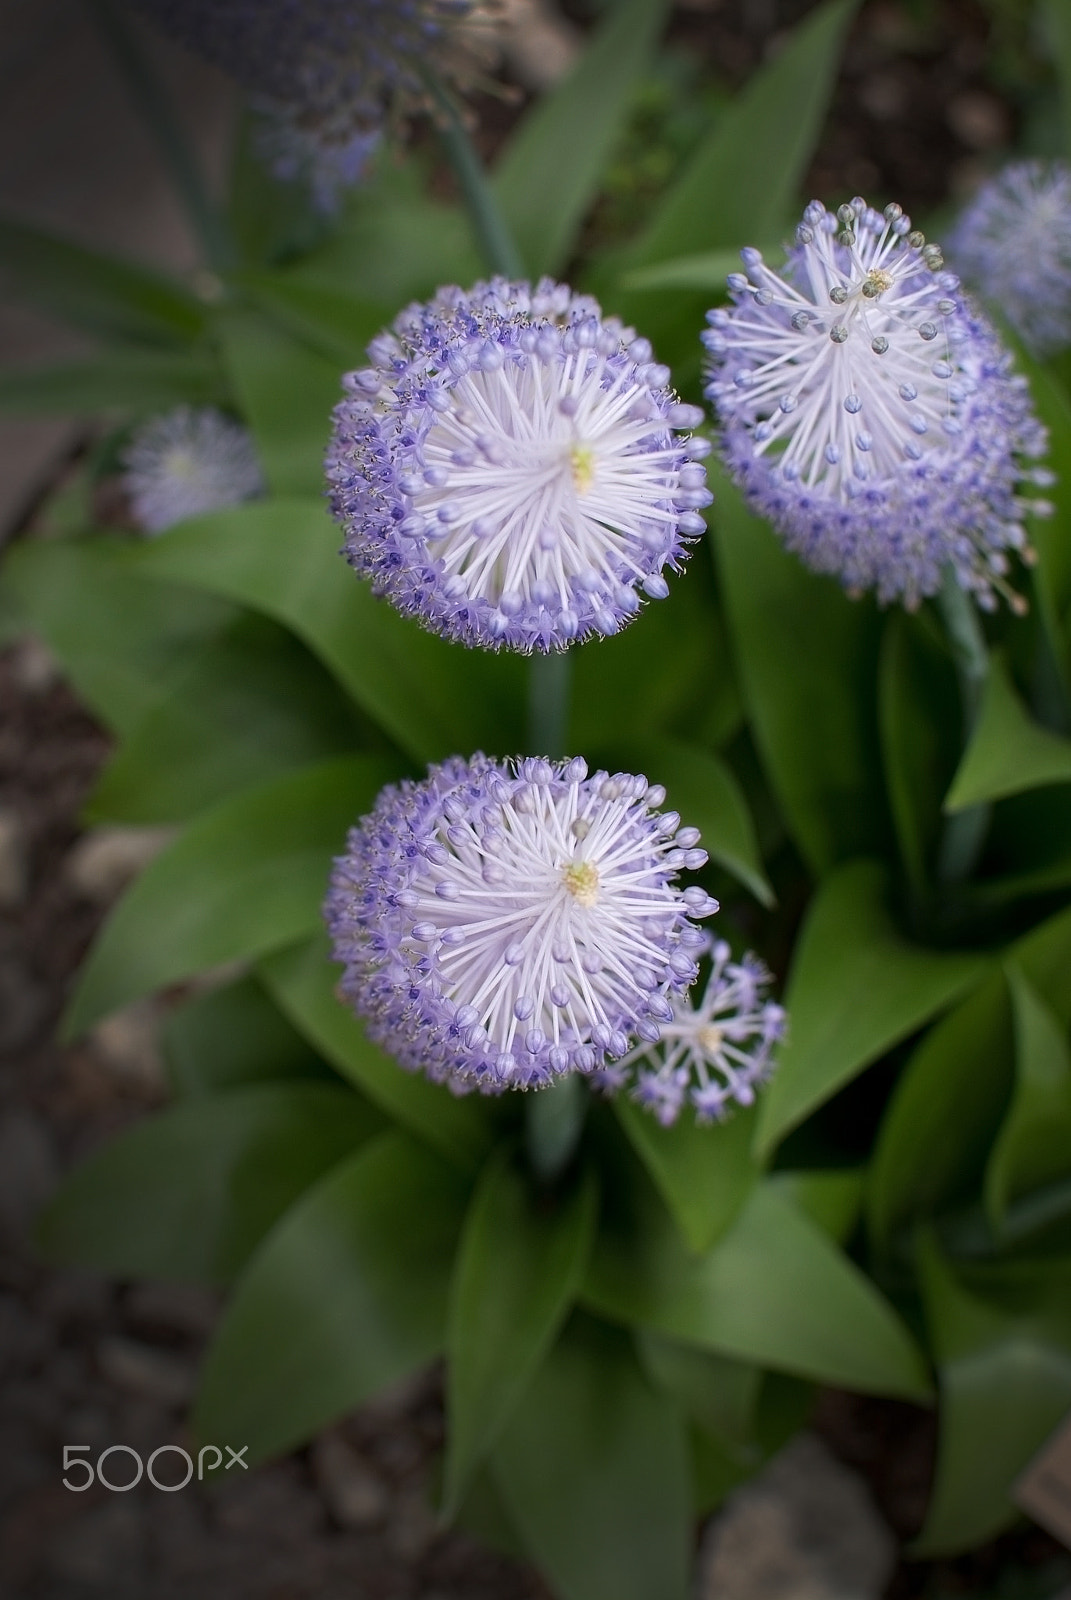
(187, 462)
(713, 1054)
(1013, 244)
(871, 413)
(502, 924)
(327, 74)
(509, 469)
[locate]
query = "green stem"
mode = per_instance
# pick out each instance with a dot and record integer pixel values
(548, 704)
(492, 231)
(964, 834)
(155, 107)
(554, 1121)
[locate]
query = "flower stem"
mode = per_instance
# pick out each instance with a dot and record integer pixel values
(554, 1121)
(964, 833)
(155, 107)
(548, 703)
(490, 226)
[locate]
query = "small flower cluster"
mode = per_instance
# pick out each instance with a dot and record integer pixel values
(1013, 244)
(870, 412)
(187, 462)
(712, 1055)
(501, 925)
(510, 468)
(326, 73)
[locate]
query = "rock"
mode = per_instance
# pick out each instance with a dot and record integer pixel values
(412, 1526)
(804, 1529)
(103, 862)
(105, 1548)
(34, 667)
(183, 1308)
(23, 1002)
(151, 1374)
(128, 1044)
(14, 860)
(354, 1494)
(539, 43)
(28, 1169)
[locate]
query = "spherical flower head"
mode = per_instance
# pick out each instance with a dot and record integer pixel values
(711, 1055)
(187, 462)
(326, 74)
(503, 924)
(870, 412)
(514, 469)
(1013, 244)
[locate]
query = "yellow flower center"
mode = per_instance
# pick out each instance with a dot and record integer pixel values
(582, 461)
(582, 881)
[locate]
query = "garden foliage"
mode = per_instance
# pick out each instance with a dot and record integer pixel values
(624, 1344)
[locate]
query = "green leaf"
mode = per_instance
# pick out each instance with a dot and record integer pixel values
(1008, 752)
(1048, 535)
(593, 1470)
(1033, 1147)
(190, 1193)
(121, 637)
(667, 676)
(919, 711)
(742, 181)
(550, 172)
(133, 381)
(331, 322)
(1044, 958)
(302, 983)
(432, 698)
(959, 1077)
(394, 244)
(739, 187)
(706, 270)
(248, 706)
(832, 1197)
(287, 391)
(346, 1296)
(807, 659)
(718, 1392)
(708, 797)
(704, 1174)
(247, 877)
(1005, 1382)
(774, 1290)
(96, 292)
(519, 1267)
(1058, 27)
(856, 988)
(233, 1036)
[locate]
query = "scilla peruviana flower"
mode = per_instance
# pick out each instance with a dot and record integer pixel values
(870, 412)
(187, 462)
(1013, 244)
(502, 924)
(712, 1054)
(327, 75)
(510, 469)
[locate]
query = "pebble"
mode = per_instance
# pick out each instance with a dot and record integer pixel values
(103, 862)
(14, 860)
(34, 667)
(804, 1529)
(28, 1169)
(23, 1002)
(141, 1370)
(355, 1495)
(412, 1526)
(127, 1044)
(183, 1308)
